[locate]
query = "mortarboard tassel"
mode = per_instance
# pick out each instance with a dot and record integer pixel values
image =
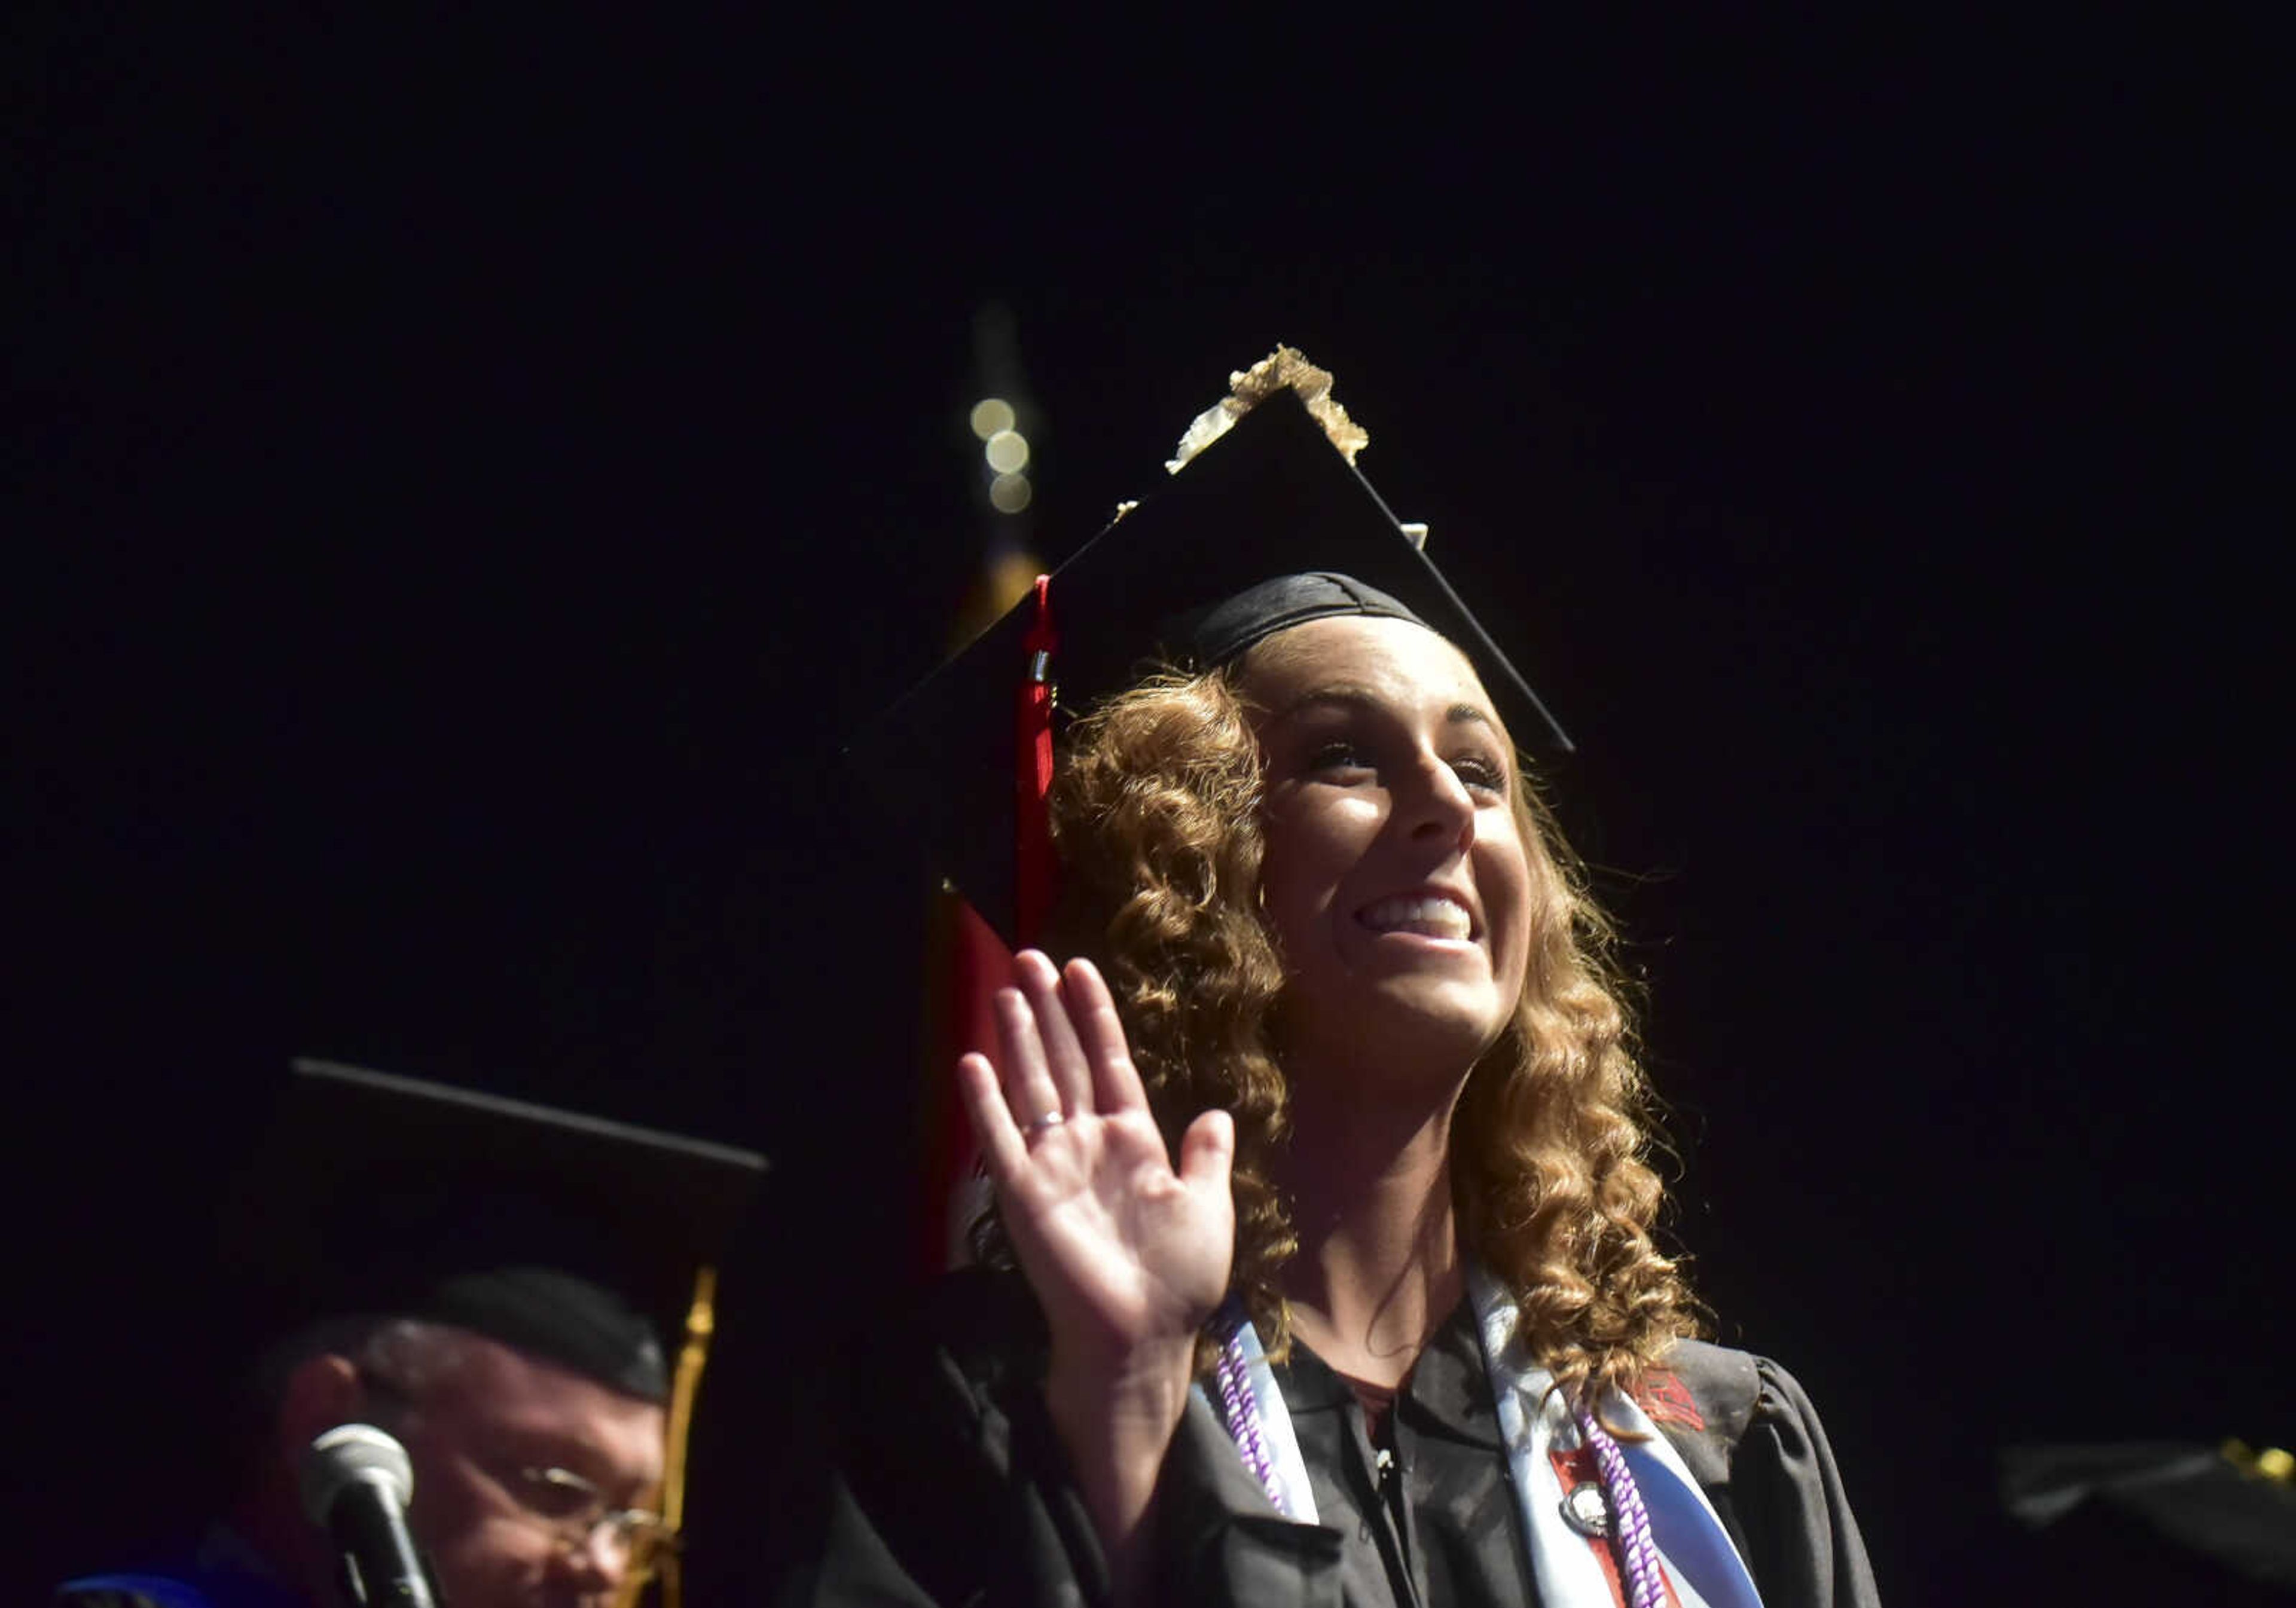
(1034, 870)
(663, 1565)
(972, 962)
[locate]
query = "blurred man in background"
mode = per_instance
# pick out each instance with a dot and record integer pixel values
(486, 1277)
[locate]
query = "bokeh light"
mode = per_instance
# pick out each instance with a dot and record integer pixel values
(1009, 493)
(1007, 452)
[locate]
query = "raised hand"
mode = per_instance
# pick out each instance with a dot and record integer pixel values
(1127, 1255)
(1122, 1249)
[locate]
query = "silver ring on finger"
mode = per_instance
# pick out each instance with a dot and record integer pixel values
(1051, 1119)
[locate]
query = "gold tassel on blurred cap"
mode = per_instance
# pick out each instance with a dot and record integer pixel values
(662, 1562)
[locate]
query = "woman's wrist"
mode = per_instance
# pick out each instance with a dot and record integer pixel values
(1142, 1386)
(1116, 1415)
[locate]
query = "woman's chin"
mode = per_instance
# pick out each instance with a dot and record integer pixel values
(1407, 1030)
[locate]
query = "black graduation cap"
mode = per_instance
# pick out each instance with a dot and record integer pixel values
(2224, 1502)
(1272, 497)
(566, 1237)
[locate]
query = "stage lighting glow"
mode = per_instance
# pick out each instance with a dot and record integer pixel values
(1010, 493)
(1007, 452)
(990, 416)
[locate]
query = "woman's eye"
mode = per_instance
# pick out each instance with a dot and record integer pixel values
(1336, 756)
(1481, 773)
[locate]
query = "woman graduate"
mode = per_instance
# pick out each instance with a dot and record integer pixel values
(1322, 1163)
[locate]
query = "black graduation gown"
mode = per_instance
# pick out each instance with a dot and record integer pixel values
(954, 1489)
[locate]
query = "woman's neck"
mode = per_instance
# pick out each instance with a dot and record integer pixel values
(1378, 1269)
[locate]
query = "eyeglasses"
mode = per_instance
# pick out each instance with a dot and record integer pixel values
(571, 1508)
(578, 1513)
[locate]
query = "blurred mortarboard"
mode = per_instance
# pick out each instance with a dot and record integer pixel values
(566, 1237)
(2227, 1503)
(1263, 490)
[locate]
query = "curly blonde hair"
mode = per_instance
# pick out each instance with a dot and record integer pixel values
(1156, 812)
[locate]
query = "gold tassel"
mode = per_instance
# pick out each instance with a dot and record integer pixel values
(2270, 1464)
(662, 1564)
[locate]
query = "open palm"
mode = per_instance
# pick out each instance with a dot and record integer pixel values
(1125, 1252)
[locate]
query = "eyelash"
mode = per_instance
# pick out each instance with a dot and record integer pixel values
(1479, 772)
(1474, 769)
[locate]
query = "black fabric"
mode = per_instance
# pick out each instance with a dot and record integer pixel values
(1446, 1524)
(2195, 1494)
(1219, 634)
(558, 1317)
(954, 1489)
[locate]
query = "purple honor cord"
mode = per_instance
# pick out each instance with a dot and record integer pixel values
(1638, 1552)
(1240, 1406)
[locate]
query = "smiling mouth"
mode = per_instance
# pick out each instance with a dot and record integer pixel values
(1428, 916)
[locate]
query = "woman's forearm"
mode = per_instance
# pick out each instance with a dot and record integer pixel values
(1116, 1417)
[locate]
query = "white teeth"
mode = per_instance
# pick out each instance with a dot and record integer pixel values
(1432, 918)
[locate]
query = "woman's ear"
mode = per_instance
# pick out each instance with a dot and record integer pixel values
(322, 1392)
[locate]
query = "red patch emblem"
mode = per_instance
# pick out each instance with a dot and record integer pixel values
(1663, 1397)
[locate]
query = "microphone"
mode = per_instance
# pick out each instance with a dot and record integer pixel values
(355, 1483)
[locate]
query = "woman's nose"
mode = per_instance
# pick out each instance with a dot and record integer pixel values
(1441, 806)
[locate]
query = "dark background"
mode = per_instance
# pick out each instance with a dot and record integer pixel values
(468, 477)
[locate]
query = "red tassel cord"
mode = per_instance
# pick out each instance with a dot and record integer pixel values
(1034, 870)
